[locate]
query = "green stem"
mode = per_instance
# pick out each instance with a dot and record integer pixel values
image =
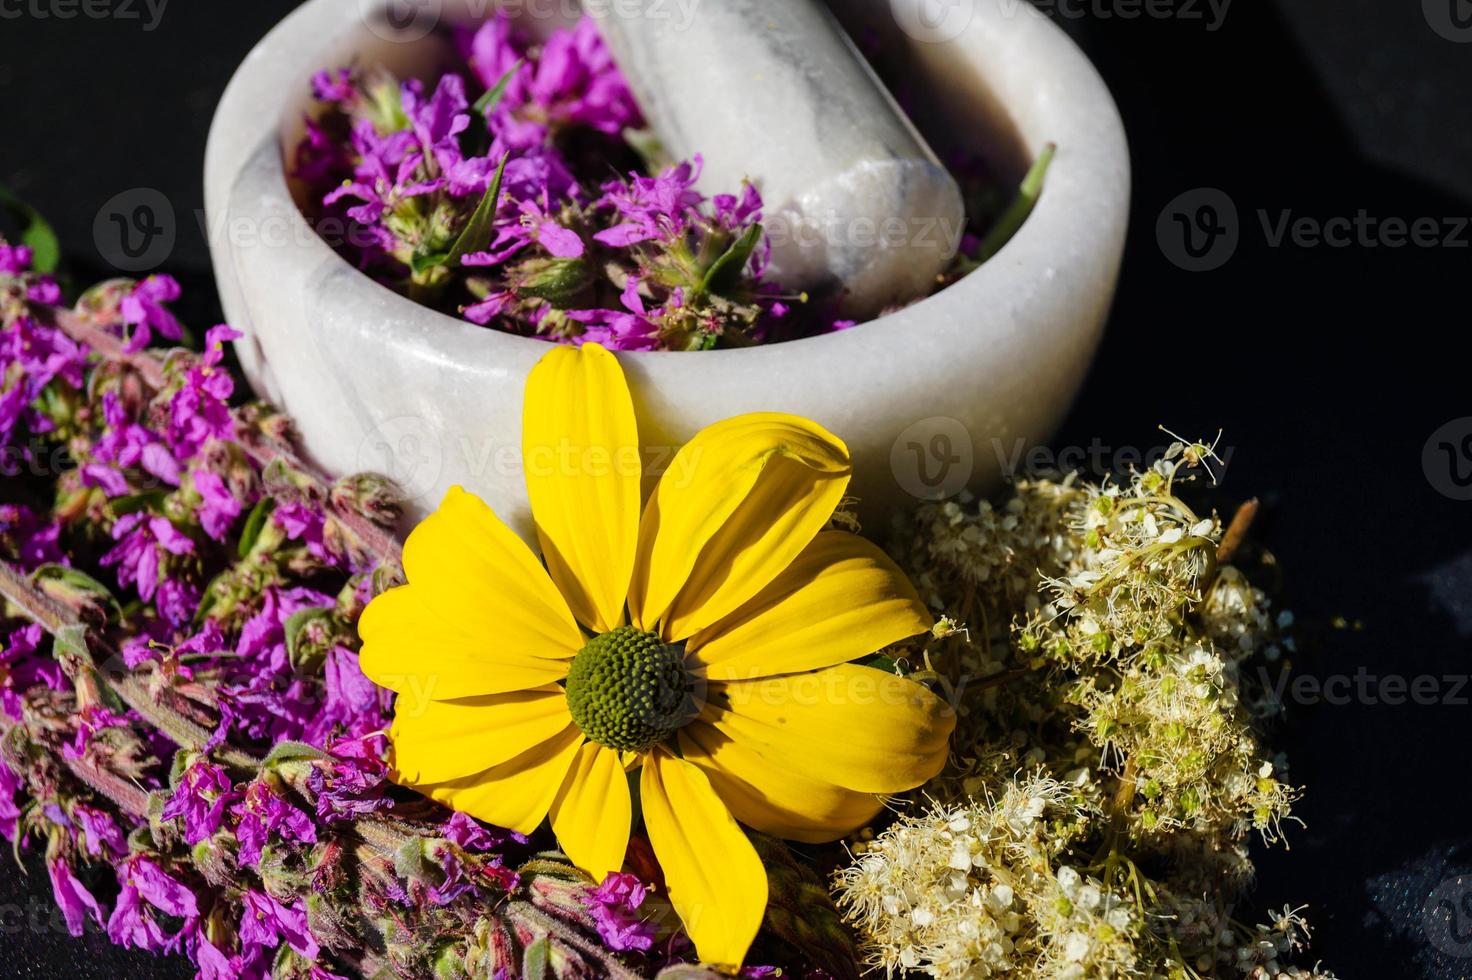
(60, 622)
(1011, 220)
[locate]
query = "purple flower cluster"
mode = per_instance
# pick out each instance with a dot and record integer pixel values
(153, 510)
(221, 788)
(641, 263)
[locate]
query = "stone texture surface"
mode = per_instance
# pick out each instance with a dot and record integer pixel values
(930, 398)
(773, 90)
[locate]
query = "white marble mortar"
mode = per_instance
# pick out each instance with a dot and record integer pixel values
(929, 399)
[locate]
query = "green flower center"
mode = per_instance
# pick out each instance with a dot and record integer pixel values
(629, 690)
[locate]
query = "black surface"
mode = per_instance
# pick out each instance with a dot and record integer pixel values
(1329, 368)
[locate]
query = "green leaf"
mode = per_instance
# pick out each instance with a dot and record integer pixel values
(879, 661)
(493, 98)
(725, 272)
(298, 622)
(558, 281)
(292, 752)
(75, 583)
(534, 960)
(133, 503)
(35, 231)
(476, 234)
(409, 859)
(259, 514)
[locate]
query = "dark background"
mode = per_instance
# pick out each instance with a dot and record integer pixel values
(1329, 369)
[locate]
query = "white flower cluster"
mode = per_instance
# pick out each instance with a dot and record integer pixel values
(978, 890)
(1098, 629)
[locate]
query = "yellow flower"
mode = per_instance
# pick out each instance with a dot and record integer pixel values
(707, 640)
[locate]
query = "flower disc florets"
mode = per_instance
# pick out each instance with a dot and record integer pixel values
(629, 690)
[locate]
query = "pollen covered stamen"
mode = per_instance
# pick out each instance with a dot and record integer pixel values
(629, 690)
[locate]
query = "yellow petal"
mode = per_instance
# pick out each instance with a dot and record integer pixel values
(516, 794)
(772, 798)
(841, 599)
(716, 881)
(864, 729)
(739, 502)
(446, 740)
(580, 451)
(592, 813)
(409, 648)
(473, 571)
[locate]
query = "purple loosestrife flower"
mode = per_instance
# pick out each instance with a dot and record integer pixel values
(438, 121)
(263, 813)
(21, 669)
(32, 356)
(320, 156)
(199, 410)
(218, 508)
(176, 601)
(142, 539)
(337, 87)
(265, 923)
(385, 175)
(103, 837)
(75, 901)
(615, 907)
(143, 310)
(9, 812)
(616, 330)
(576, 82)
(471, 835)
(653, 207)
(203, 793)
(30, 539)
(262, 639)
(15, 259)
(212, 962)
(492, 51)
(146, 886)
(351, 782)
(125, 444)
(304, 521)
(45, 291)
(353, 703)
(91, 720)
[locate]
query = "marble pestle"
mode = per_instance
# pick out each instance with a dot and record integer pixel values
(857, 204)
